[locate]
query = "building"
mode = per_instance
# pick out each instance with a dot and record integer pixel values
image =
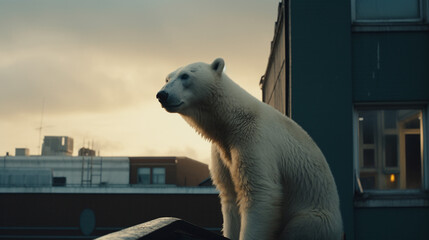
(83, 197)
(57, 146)
(22, 152)
(86, 152)
(104, 171)
(355, 75)
(72, 171)
(179, 171)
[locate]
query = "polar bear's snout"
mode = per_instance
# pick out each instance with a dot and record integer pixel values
(162, 96)
(170, 102)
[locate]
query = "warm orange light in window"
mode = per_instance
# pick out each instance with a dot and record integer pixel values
(392, 177)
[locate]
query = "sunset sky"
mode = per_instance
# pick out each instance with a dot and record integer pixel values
(94, 67)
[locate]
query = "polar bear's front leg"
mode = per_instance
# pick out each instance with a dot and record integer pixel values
(231, 220)
(221, 177)
(261, 218)
(260, 196)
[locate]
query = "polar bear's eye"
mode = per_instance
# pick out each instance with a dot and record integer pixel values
(166, 80)
(184, 76)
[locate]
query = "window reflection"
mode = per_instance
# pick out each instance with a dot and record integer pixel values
(390, 149)
(158, 176)
(143, 175)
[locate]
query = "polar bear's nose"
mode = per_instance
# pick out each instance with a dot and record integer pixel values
(162, 96)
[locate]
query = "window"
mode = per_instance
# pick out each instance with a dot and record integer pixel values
(158, 176)
(151, 175)
(390, 149)
(388, 10)
(143, 175)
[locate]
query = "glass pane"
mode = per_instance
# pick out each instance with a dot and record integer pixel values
(143, 175)
(413, 161)
(413, 124)
(390, 118)
(158, 176)
(387, 9)
(368, 158)
(391, 150)
(367, 182)
(368, 123)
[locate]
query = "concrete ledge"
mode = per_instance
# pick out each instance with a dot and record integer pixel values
(113, 190)
(163, 228)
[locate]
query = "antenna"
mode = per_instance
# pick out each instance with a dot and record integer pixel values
(41, 127)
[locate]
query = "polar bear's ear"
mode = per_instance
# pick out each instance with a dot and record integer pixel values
(218, 65)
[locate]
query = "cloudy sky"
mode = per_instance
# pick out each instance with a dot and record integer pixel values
(93, 68)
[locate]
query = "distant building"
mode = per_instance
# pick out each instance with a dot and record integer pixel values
(57, 146)
(110, 171)
(76, 171)
(86, 152)
(179, 171)
(22, 152)
(63, 197)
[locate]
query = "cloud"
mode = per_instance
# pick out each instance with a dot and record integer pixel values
(188, 29)
(69, 83)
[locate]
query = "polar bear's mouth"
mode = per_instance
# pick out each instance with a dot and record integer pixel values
(171, 107)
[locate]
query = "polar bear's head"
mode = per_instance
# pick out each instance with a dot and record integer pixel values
(191, 86)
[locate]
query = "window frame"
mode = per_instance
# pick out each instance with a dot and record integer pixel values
(423, 16)
(154, 176)
(396, 197)
(392, 25)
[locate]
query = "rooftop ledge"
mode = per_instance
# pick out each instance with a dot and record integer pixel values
(112, 190)
(163, 228)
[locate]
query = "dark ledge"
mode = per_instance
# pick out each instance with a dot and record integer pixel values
(163, 228)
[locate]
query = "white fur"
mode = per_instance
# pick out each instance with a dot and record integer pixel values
(274, 181)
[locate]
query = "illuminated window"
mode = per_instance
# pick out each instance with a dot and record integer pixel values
(390, 149)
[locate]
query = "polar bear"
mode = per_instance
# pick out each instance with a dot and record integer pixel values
(274, 181)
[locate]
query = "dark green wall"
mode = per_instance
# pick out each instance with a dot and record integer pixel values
(322, 87)
(391, 66)
(332, 69)
(392, 223)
